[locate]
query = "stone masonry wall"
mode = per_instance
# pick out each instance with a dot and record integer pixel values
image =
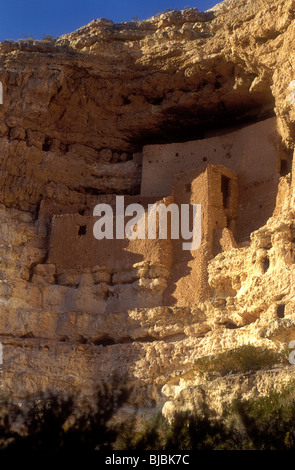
(253, 152)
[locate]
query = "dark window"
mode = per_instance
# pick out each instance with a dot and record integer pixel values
(82, 230)
(265, 263)
(281, 311)
(284, 168)
(46, 144)
(225, 189)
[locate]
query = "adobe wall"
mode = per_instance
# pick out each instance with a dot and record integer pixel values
(103, 275)
(73, 246)
(115, 275)
(188, 283)
(251, 152)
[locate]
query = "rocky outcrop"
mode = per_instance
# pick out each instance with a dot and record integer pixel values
(76, 114)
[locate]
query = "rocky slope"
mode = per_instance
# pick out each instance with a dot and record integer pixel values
(76, 113)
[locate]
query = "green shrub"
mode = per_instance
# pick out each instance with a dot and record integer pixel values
(142, 433)
(243, 359)
(48, 38)
(28, 36)
(266, 423)
(55, 422)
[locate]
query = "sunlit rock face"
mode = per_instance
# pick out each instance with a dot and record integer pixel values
(185, 107)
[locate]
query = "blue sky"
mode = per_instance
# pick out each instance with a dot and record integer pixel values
(57, 17)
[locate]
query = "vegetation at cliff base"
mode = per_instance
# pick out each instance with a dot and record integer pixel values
(54, 422)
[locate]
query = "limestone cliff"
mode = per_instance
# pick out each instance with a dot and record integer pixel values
(77, 115)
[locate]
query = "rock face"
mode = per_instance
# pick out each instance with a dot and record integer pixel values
(84, 119)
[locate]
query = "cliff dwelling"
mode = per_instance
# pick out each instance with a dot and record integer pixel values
(233, 175)
(253, 152)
